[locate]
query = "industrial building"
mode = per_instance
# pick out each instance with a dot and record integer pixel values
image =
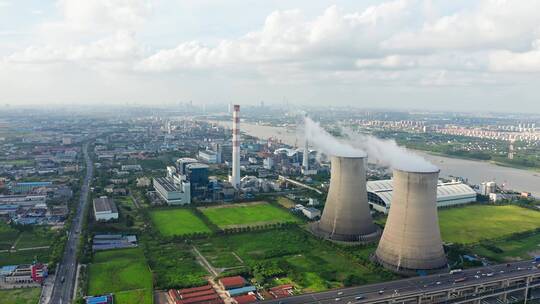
(173, 189)
(105, 209)
(411, 241)
(448, 194)
(346, 216)
(235, 177)
(208, 156)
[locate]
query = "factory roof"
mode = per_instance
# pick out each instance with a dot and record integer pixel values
(445, 191)
(105, 204)
(168, 184)
(197, 166)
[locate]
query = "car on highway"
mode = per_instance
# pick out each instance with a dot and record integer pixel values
(359, 297)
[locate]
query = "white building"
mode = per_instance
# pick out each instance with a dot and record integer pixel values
(105, 209)
(173, 189)
(448, 194)
(311, 213)
(208, 156)
(486, 188)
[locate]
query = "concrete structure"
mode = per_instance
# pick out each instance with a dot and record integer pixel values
(448, 194)
(173, 191)
(105, 209)
(311, 213)
(486, 188)
(514, 283)
(209, 157)
(411, 240)
(235, 175)
(346, 215)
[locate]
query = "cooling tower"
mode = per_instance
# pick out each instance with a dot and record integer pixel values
(411, 240)
(346, 216)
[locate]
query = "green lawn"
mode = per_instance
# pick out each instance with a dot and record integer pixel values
(249, 214)
(40, 236)
(511, 250)
(473, 223)
(295, 255)
(20, 296)
(177, 221)
(8, 236)
(24, 257)
(119, 271)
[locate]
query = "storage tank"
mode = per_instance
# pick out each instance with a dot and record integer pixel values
(411, 240)
(346, 216)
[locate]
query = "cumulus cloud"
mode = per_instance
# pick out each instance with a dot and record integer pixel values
(507, 61)
(410, 44)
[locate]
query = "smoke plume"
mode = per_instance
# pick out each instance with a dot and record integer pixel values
(388, 153)
(328, 144)
(380, 151)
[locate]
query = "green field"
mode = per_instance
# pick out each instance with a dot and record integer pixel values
(473, 223)
(8, 236)
(20, 296)
(121, 271)
(290, 254)
(510, 250)
(38, 237)
(24, 257)
(249, 214)
(177, 221)
(173, 264)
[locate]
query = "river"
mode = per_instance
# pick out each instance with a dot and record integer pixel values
(474, 171)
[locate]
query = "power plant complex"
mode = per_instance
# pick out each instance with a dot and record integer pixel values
(346, 216)
(411, 240)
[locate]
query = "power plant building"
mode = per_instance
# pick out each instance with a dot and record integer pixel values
(346, 216)
(411, 241)
(448, 194)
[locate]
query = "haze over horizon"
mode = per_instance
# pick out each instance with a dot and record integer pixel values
(460, 56)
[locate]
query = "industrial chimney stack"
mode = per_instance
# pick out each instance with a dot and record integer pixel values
(411, 241)
(235, 175)
(346, 216)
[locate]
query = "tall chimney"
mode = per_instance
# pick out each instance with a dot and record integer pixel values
(305, 158)
(411, 240)
(235, 176)
(346, 216)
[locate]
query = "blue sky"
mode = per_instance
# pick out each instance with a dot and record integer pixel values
(440, 55)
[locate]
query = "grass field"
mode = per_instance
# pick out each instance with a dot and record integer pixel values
(519, 249)
(24, 257)
(473, 223)
(249, 214)
(311, 264)
(20, 296)
(40, 236)
(121, 271)
(177, 221)
(8, 236)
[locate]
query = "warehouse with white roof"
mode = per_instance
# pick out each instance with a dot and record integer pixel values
(448, 194)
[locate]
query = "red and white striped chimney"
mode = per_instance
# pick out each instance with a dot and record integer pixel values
(235, 176)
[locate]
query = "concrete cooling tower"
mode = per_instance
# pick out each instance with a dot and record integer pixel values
(346, 216)
(411, 240)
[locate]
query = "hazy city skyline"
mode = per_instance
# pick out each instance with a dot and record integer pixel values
(392, 54)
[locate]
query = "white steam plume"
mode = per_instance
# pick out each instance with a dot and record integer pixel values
(328, 144)
(388, 153)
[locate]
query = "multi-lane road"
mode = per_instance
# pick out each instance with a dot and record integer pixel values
(67, 268)
(416, 285)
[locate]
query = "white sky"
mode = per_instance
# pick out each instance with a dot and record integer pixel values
(450, 55)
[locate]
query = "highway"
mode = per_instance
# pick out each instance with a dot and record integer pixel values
(66, 270)
(415, 286)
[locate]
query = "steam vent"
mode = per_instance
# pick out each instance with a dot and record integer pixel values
(346, 216)
(411, 240)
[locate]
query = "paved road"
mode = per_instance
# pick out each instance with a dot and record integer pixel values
(67, 268)
(414, 285)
